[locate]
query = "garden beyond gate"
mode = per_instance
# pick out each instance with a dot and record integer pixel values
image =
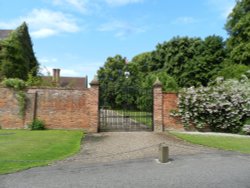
(129, 110)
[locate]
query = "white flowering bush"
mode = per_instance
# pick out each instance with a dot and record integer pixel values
(223, 107)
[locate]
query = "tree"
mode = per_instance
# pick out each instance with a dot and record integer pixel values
(17, 57)
(168, 83)
(238, 28)
(233, 71)
(206, 63)
(174, 56)
(142, 61)
(190, 61)
(115, 84)
(109, 75)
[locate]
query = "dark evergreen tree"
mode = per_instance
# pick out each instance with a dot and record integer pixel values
(17, 58)
(206, 63)
(191, 61)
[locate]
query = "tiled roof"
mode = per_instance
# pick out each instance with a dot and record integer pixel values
(4, 33)
(70, 82)
(74, 82)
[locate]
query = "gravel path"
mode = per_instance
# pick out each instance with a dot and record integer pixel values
(126, 159)
(117, 146)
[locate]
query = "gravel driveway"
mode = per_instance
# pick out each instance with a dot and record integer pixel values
(114, 160)
(117, 146)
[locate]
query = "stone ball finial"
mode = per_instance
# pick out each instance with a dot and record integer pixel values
(157, 83)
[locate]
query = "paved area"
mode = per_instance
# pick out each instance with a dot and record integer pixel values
(116, 160)
(116, 146)
(192, 171)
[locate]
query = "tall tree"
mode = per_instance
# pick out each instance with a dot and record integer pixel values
(174, 56)
(206, 63)
(114, 82)
(191, 61)
(143, 61)
(238, 28)
(17, 58)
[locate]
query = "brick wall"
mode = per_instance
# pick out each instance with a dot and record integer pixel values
(59, 108)
(76, 109)
(170, 102)
(9, 117)
(157, 109)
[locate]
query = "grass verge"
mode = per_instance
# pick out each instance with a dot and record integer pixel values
(240, 144)
(22, 149)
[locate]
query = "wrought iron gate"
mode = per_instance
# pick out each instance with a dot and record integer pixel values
(130, 109)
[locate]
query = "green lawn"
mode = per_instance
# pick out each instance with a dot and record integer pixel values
(142, 117)
(22, 149)
(240, 144)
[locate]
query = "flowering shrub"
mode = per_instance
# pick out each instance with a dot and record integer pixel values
(223, 106)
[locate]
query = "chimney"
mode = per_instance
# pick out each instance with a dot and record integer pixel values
(56, 76)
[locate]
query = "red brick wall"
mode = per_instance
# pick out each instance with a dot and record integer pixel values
(157, 114)
(75, 109)
(170, 102)
(59, 108)
(9, 117)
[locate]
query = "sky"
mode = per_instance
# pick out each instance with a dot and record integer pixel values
(78, 36)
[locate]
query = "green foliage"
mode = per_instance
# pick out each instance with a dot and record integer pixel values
(34, 80)
(209, 60)
(142, 61)
(21, 98)
(136, 90)
(113, 82)
(223, 106)
(37, 124)
(238, 28)
(247, 121)
(168, 83)
(17, 58)
(190, 61)
(233, 71)
(181, 62)
(14, 83)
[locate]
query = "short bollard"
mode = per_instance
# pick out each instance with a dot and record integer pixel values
(163, 153)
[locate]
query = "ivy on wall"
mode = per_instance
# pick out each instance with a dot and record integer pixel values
(19, 86)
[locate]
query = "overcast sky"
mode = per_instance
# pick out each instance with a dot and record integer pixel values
(78, 35)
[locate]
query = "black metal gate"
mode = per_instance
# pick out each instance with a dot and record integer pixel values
(130, 109)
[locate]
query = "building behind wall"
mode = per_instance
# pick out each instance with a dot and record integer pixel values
(66, 82)
(4, 34)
